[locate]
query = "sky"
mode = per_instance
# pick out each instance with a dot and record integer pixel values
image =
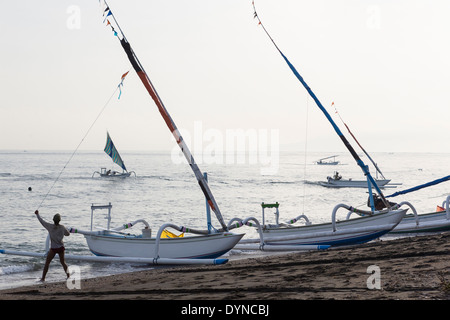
(384, 63)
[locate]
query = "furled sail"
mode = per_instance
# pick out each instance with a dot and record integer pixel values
(137, 66)
(111, 151)
(425, 185)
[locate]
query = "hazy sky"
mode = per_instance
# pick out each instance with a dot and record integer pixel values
(384, 63)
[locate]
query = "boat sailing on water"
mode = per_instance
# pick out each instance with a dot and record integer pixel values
(111, 151)
(371, 225)
(336, 181)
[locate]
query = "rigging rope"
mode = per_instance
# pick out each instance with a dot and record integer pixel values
(76, 149)
(306, 149)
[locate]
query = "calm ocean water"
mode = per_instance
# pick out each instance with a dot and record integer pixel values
(165, 191)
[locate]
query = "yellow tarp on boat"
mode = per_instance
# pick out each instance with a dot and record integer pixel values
(168, 234)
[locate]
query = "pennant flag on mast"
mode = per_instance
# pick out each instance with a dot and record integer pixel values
(109, 13)
(121, 83)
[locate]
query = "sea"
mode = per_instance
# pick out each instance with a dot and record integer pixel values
(165, 190)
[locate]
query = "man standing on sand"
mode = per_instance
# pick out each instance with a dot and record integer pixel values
(57, 232)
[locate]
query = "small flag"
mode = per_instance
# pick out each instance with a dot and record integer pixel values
(109, 13)
(124, 75)
(121, 83)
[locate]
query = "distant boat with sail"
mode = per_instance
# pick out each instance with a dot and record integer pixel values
(111, 151)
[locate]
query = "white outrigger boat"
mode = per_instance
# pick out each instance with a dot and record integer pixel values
(414, 223)
(116, 243)
(328, 163)
(372, 225)
(111, 151)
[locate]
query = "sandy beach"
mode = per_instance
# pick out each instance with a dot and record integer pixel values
(416, 268)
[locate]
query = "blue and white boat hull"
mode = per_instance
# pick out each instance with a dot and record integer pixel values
(346, 232)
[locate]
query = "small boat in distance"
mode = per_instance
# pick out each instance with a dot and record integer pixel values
(336, 181)
(111, 151)
(329, 163)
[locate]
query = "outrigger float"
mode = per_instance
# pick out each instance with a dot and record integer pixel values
(153, 261)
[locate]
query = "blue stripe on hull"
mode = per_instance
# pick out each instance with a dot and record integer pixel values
(210, 256)
(341, 242)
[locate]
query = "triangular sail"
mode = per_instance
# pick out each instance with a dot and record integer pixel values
(111, 151)
(137, 66)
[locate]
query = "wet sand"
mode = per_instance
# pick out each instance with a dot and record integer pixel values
(415, 268)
